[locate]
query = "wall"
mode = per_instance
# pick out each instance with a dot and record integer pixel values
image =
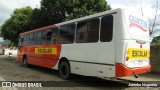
(12, 51)
(155, 59)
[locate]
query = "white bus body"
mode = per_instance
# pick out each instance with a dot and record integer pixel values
(113, 43)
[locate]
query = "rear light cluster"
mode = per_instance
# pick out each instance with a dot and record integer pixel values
(141, 46)
(127, 57)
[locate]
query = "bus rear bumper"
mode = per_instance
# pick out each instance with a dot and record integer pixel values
(122, 70)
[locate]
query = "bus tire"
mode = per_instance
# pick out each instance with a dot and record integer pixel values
(25, 62)
(64, 70)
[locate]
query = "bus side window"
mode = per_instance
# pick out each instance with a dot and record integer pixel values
(93, 30)
(43, 37)
(39, 38)
(88, 31)
(106, 28)
(66, 34)
(21, 39)
(62, 33)
(31, 38)
(27, 42)
(20, 43)
(54, 38)
(81, 34)
(71, 33)
(34, 38)
(48, 36)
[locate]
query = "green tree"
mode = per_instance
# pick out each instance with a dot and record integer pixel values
(19, 22)
(36, 20)
(87, 7)
(156, 40)
(50, 12)
(55, 11)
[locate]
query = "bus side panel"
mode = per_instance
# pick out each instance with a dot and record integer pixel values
(105, 54)
(22, 50)
(120, 51)
(78, 68)
(52, 59)
(20, 58)
(76, 54)
(100, 70)
(19, 54)
(43, 57)
(91, 59)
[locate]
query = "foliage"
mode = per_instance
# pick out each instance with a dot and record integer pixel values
(19, 22)
(36, 19)
(154, 23)
(156, 40)
(50, 12)
(55, 11)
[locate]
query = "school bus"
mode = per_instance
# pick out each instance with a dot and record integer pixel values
(113, 43)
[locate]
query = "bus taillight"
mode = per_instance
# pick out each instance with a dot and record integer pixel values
(141, 46)
(127, 58)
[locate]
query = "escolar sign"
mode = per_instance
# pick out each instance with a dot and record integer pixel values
(135, 53)
(45, 50)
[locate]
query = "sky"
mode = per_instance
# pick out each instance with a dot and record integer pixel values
(8, 6)
(135, 5)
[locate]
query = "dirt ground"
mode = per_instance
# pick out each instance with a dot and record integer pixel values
(11, 70)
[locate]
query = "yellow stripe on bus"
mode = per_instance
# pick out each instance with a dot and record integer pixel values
(45, 50)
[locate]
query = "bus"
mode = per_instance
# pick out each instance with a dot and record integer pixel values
(111, 44)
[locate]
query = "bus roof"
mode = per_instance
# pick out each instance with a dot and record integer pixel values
(75, 20)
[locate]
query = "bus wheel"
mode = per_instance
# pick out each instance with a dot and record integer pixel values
(25, 62)
(64, 70)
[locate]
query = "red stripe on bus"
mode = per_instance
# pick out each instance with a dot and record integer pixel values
(135, 25)
(45, 60)
(51, 63)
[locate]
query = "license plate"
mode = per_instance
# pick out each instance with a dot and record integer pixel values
(140, 63)
(139, 54)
